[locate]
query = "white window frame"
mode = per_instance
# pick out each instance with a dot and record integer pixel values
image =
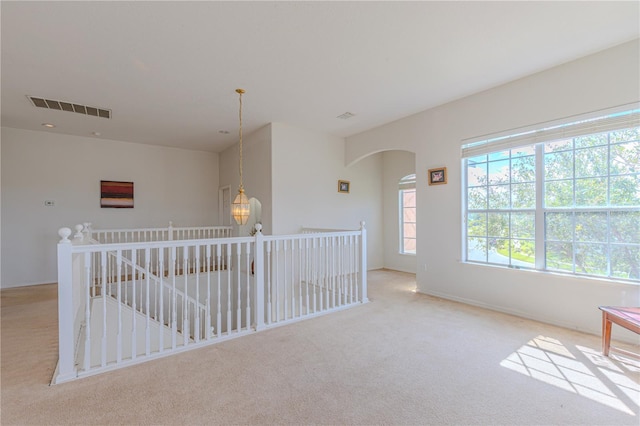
(600, 122)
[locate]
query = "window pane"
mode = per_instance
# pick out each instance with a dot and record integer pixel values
(625, 190)
(498, 251)
(409, 245)
(477, 198)
(625, 158)
(523, 195)
(625, 227)
(478, 159)
(558, 145)
(559, 226)
(498, 196)
(498, 225)
(591, 140)
(558, 165)
(500, 155)
(477, 224)
(409, 214)
(632, 134)
(477, 174)
(591, 162)
(523, 150)
(523, 169)
(591, 259)
(625, 262)
(499, 172)
(523, 253)
(409, 198)
(559, 256)
(523, 225)
(409, 230)
(591, 192)
(591, 227)
(477, 249)
(558, 193)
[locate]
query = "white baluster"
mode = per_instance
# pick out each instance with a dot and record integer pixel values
(160, 289)
(119, 296)
(277, 278)
(228, 265)
(134, 339)
(268, 270)
(197, 302)
(87, 311)
(186, 326)
(284, 278)
(208, 303)
(219, 306)
(103, 291)
(300, 275)
(147, 329)
(239, 278)
(174, 313)
(248, 277)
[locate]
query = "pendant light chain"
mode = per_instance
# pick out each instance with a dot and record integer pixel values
(240, 91)
(240, 208)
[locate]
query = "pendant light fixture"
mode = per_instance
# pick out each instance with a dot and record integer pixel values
(240, 206)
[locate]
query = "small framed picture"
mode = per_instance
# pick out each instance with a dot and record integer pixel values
(343, 186)
(438, 176)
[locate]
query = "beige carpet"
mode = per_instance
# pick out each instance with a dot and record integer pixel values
(404, 358)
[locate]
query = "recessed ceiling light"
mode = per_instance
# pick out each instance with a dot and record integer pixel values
(95, 133)
(49, 125)
(224, 132)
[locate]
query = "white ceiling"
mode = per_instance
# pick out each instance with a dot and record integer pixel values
(169, 70)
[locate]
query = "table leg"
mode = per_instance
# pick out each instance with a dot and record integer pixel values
(606, 334)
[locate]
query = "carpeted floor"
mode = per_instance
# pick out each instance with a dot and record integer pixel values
(404, 358)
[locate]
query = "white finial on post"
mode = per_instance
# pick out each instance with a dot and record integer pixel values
(258, 228)
(78, 235)
(170, 224)
(64, 235)
(362, 224)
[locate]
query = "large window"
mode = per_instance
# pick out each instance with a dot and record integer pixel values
(570, 204)
(407, 203)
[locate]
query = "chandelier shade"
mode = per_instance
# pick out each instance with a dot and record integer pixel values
(240, 208)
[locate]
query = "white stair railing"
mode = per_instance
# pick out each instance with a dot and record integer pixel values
(126, 303)
(170, 233)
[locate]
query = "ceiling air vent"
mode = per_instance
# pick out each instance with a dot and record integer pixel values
(70, 107)
(345, 116)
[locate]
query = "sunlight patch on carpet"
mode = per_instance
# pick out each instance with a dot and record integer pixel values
(548, 360)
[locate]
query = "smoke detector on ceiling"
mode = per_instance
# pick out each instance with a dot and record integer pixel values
(69, 107)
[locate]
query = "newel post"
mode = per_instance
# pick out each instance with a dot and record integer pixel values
(258, 264)
(363, 261)
(66, 343)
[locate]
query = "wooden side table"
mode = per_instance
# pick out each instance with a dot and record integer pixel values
(628, 318)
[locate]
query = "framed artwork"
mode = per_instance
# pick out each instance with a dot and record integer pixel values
(438, 176)
(343, 186)
(117, 195)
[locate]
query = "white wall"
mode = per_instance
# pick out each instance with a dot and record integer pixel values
(256, 173)
(395, 166)
(306, 169)
(599, 81)
(169, 184)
